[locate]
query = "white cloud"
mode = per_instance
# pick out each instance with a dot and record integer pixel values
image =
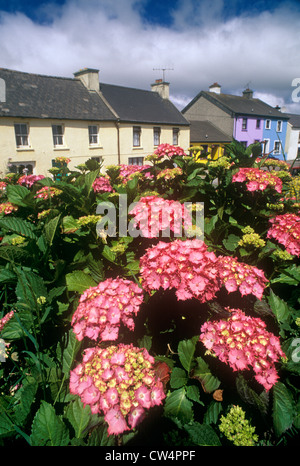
(263, 49)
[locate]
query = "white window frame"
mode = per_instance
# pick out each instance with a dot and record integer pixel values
(279, 147)
(136, 161)
(175, 136)
(58, 135)
(93, 136)
(20, 143)
(156, 135)
(268, 124)
(136, 136)
(19, 166)
(266, 146)
(244, 124)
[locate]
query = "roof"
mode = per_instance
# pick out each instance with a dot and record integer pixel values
(294, 120)
(39, 96)
(238, 105)
(205, 131)
(141, 106)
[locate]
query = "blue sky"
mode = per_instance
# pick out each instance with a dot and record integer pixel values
(232, 42)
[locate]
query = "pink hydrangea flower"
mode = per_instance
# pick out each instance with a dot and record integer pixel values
(257, 180)
(242, 341)
(7, 208)
(168, 150)
(128, 171)
(102, 185)
(154, 214)
(47, 192)
(104, 307)
(123, 400)
(29, 180)
(194, 272)
(286, 230)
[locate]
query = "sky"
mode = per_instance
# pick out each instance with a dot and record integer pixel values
(237, 43)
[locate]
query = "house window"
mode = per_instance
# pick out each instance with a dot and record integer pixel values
(58, 135)
(244, 124)
(266, 144)
(258, 124)
(23, 168)
(279, 126)
(21, 132)
(136, 161)
(93, 135)
(175, 136)
(276, 147)
(268, 124)
(156, 136)
(136, 136)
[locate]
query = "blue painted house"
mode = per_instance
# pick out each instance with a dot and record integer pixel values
(274, 135)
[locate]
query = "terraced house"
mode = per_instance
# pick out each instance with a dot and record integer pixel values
(43, 117)
(244, 118)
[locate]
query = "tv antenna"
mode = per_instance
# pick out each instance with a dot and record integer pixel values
(163, 70)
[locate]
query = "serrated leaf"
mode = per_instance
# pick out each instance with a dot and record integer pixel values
(24, 399)
(79, 281)
(67, 351)
(177, 405)
(19, 195)
(261, 402)
(178, 378)
(48, 429)
(231, 242)
(100, 438)
(193, 393)
(50, 229)
(279, 307)
(202, 434)
(186, 350)
(79, 416)
(19, 226)
(283, 408)
(203, 373)
(212, 413)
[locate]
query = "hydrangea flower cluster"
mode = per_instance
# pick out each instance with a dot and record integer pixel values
(169, 173)
(237, 428)
(243, 277)
(273, 163)
(7, 208)
(3, 185)
(167, 150)
(102, 308)
(286, 230)
(250, 238)
(197, 273)
(6, 319)
(186, 266)
(29, 180)
(243, 341)
(128, 171)
(153, 214)
(120, 382)
(62, 160)
(257, 179)
(102, 185)
(47, 192)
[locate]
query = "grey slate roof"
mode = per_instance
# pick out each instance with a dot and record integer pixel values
(294, 119)
(38, 96)
(205, 131)
(238, 105)
(140, 106)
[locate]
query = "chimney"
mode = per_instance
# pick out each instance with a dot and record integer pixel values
(215, 88)
(248, 93)
(161, 87)
(89, 77)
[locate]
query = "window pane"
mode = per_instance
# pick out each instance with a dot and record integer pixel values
(136, 136)
(93, 134)
(57, 131)
(175, 136)
(21, 133)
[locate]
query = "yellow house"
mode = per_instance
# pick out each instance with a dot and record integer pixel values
(43, 117)
(207, 141)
